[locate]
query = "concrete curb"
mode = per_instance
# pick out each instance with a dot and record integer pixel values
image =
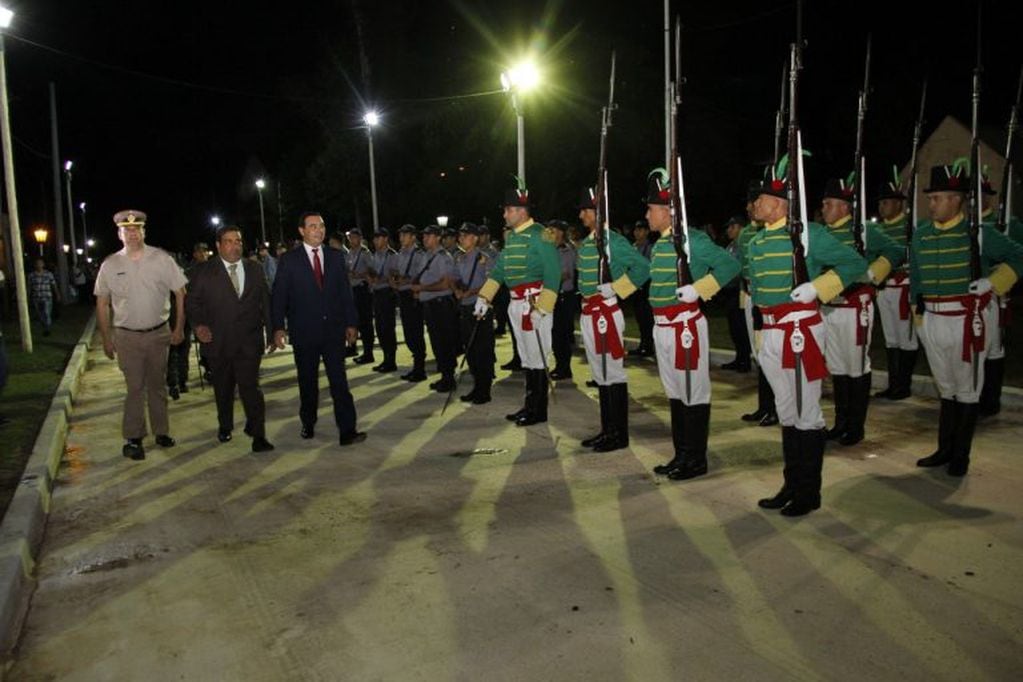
(21, 532)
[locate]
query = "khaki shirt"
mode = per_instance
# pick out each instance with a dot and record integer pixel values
(139, 290)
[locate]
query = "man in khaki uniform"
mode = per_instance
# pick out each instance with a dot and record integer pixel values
(136, 283)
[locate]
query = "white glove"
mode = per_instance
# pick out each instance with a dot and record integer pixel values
(870, 275)
(606, 291)
(687, 293)
(980, 287)
(481, 308)
(804, 293)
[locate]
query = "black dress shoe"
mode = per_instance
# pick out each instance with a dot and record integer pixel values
(165, 441)
(468, 397)
(261, 445)
(364, 359)
(754, 416)
(800, 507)
(512, 365)
(307, 432)
(352, 437)
(223, 436)
(783, 497)
(558, 374)
(770, 419)
(734, 364)
(481, 399)
(385, 367)
(515, 416)
(667, 468)
(133, 449)
(528, 419)
(416, 377)
(444, 385)
(174, 393)
(593, 440)
(687, 471)
(611, 442)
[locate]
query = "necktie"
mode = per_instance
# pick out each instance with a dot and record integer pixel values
(232, 270)
(317, 268)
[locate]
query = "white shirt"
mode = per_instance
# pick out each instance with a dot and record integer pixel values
(240, 271)
(309, 255)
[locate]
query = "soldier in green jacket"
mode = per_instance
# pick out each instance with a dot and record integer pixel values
(849, 317)
(529, 265)
(793, 337)
(952, 328)
(680, 328)
(894, 307)
(602, 282)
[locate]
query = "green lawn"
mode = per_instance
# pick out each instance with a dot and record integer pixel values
(30, 387)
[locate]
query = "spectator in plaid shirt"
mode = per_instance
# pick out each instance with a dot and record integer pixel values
(42, 287)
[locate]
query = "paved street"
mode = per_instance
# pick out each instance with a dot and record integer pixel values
(460, 547)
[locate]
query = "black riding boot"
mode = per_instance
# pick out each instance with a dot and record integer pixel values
(678, 438)
(811, 463)
(946, 433)
(991, 394)
(894, 373)
(697, 420)
(858, 397)
(841, 389)
(790, 452)
(962, 439)
(618, 420)
(602, 394)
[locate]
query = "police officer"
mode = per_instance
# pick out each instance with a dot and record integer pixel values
(952, 327)
(357, 260)
(135, 284)
(793, 336)
(849, 317)
(681, 336)
(477, 335)
(529, 266)
(605, 279)
(433, 286)
(567, 309)
(383, 264)
(409, 262)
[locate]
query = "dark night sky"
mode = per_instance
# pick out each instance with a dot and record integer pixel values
(224, 92)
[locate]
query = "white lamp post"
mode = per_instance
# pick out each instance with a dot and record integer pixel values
(70, 212)
(517, 80)
(372, 119)
(86, 242)
(260, 185)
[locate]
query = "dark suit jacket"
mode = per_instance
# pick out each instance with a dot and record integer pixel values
(239, 325)
(314, 316)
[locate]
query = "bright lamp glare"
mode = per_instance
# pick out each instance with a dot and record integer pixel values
(81, 206)
(215, 221)
(260, 184)
(6, 16)
(68, 164)
(371, 118)
(90, 242)
(442, 221)
(522, 77)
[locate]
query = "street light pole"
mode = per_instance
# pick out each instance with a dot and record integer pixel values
(260, 184)
(17, 262)
(85, 233)
(516, 81)
(70, 213)
(371, 119)
(520, 121)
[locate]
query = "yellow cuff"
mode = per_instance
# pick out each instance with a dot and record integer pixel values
(489, 290)
(706, 287)
(1002, 278)
(828, 286)
(623, 286)
(546, 300)
(881, 268)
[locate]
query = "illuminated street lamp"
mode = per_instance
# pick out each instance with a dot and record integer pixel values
(215, 221)
(25, 325)
(41, 233)
(516, 81)
(70, 211)
(372, 119)
(442, 221)
(85, 233)
(260, 186)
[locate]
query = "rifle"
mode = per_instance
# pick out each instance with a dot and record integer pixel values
(911, 212)
(1005, 196)
(976, 193)
(859, 197)
(679, 217)
(602, 206)
(779, 116)
(796, 196)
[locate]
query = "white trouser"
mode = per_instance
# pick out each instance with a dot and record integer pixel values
(942, 337)
(747, 311)
(898, 333)
(993, 339)
(672, 378)
(601, 362)
(783, 381)
(526, 340)
(843, 355)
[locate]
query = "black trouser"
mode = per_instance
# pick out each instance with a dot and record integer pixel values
(566, 312)
(644, 316)
(241, 371)
(177, 361)
(501, 300)
(412, 326)
(480, 355)
(442, 323)
(307, 362)
(384, 318)
(737, 326)
(364, 309)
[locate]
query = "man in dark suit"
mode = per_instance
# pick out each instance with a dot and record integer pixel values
(312, 292)
(228, 304)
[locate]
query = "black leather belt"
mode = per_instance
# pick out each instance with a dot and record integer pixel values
(139, 331)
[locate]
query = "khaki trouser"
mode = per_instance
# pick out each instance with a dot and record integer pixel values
(142, 357)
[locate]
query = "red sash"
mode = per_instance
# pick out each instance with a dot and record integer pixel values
(521, 291)
(900, 281)
(972, 312)
(681, 327)
(598, 310)
(814, 366)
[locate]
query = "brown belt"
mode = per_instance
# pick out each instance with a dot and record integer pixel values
(139, 331)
